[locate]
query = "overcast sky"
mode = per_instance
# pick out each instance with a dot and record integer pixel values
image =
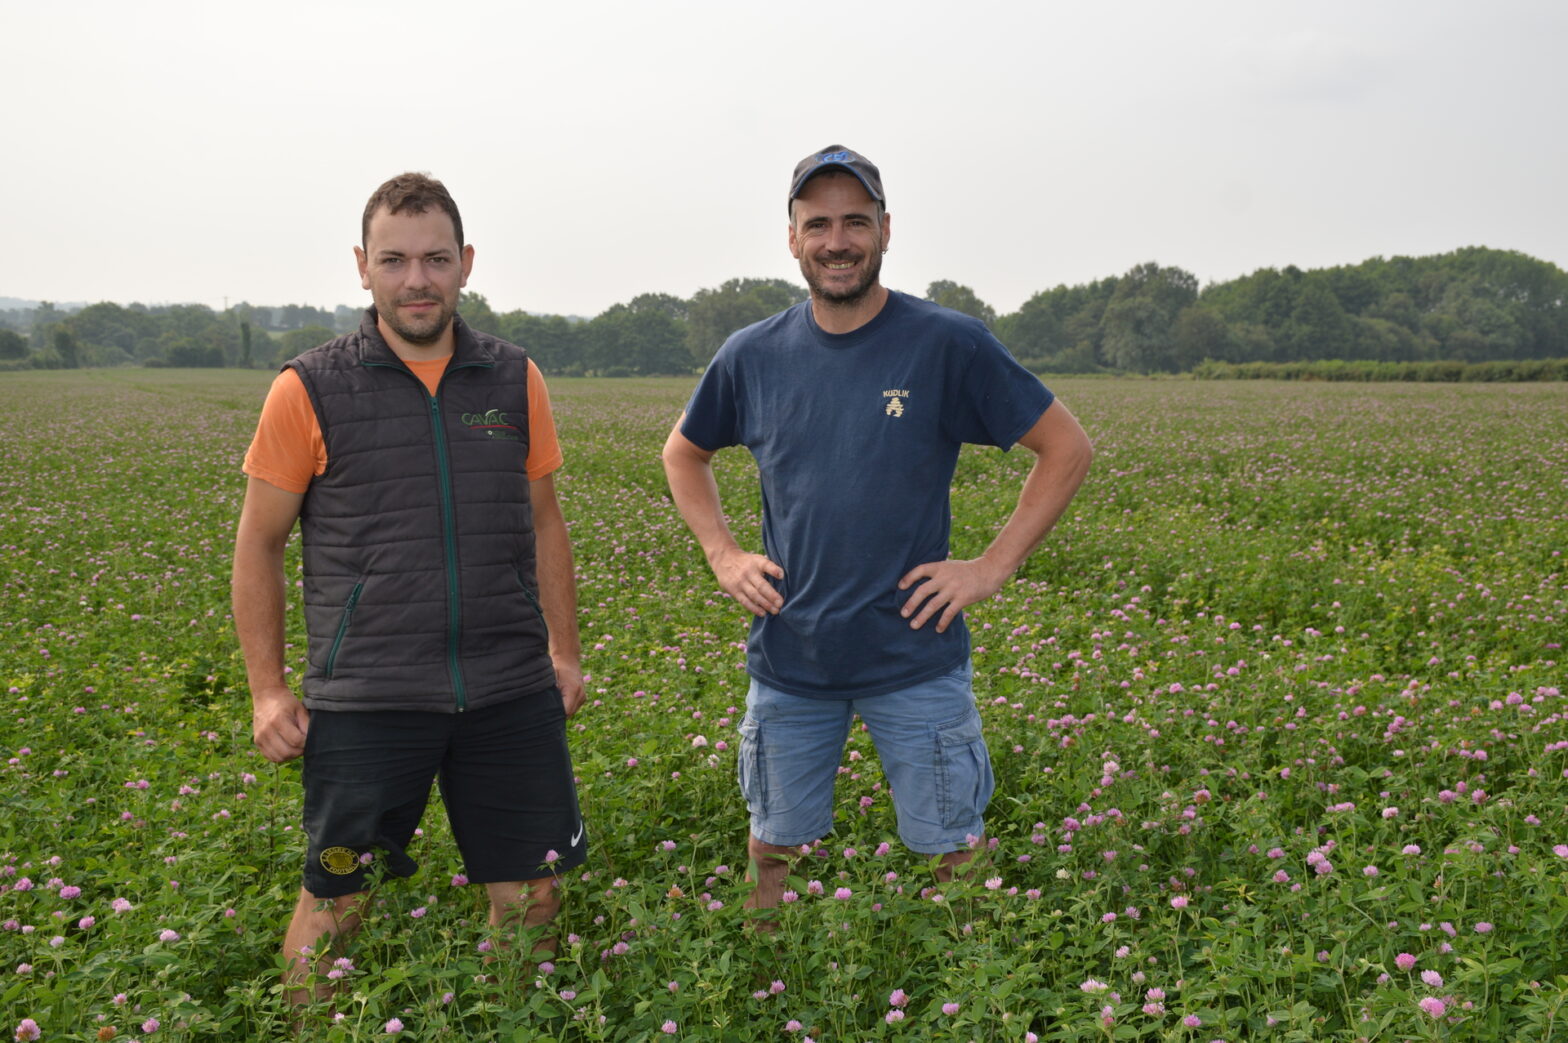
(167, 151)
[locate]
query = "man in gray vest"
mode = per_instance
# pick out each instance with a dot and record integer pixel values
(417, 456)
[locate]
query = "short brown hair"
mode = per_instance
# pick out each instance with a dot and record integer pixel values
(411, 193)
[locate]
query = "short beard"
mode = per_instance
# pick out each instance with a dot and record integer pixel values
(423, 336)
(843, 298)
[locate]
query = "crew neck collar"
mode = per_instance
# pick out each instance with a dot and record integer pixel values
(890, 306)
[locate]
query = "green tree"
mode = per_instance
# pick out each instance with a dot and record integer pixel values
(1032, 332)
(1060, 328)
(65, 347)
(552, 341)
(298, 316)
(1200, 334)
(625, 342)
(188, 352)
(476, 311)
(1136, 335)
(110, 328)
(674, 307)
(1138, 330)
(1318, 327)
(43, 318)
(12, 345)
(295, 341)
(714, 314)
(961, 298)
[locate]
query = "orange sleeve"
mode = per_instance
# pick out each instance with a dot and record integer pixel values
(288, 449)
(544, 449)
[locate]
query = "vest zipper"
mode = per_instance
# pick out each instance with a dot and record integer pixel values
(534, 601)
(343, 621)
(449, 546)
(454, 615)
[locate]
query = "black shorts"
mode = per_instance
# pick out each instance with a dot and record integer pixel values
(506, 780)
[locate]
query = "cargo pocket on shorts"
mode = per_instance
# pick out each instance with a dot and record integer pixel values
(750, 765)
(963, 771)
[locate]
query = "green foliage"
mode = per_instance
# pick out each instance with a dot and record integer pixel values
(637, 339)
(1275, 630)
(12, 345)
(714, 314)
(1471, 306)
(189, 353)
(476, 311)
(295, 341)
(961, 298)
(1059, 329)
(289, 317)
(553, 341)
(64, 344)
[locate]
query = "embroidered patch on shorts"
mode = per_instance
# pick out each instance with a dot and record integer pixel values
(339, 861)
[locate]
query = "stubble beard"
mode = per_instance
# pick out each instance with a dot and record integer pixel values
(422, 334)
(849, 298)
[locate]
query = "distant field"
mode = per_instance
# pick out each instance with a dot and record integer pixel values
(1277, 715)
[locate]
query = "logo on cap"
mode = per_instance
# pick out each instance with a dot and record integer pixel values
(833, 157)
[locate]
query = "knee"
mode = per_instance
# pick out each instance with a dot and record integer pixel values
(544, 902)
(318, 920)
(535, 902)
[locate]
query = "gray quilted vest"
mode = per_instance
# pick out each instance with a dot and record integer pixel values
(420, 588)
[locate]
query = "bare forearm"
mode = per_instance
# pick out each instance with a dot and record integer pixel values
(557, 585)
(696, 496)
(1048, 489)
(746, 577)
(259, 600)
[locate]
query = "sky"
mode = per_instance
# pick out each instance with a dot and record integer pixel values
(216, 153)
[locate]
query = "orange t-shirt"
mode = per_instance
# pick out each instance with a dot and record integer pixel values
(288, 449)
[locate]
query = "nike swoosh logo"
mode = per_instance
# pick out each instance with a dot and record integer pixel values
(577, 838)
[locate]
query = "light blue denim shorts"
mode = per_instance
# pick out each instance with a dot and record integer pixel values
(927, 736)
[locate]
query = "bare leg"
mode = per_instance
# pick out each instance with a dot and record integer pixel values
(317, 923)
(959, 863)
(526, 905)
(769, 867)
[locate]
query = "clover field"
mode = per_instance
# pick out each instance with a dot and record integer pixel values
(1277, 716)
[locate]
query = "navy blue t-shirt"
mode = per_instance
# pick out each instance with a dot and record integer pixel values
(856, 436)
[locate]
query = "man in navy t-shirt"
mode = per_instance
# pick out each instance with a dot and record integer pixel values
(855, 405)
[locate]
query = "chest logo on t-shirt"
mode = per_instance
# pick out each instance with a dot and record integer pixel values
(895, 401)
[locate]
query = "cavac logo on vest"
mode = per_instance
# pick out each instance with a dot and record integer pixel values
(895, 401)
(493, 423)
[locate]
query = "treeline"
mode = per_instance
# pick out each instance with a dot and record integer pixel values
(652, 334)
(187, 335)
(1385, 316)
(1472, 305)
